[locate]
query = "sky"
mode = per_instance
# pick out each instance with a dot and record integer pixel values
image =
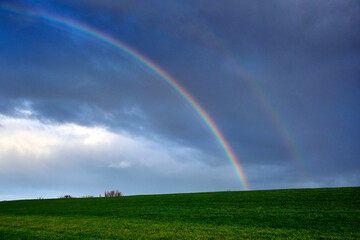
(280, 79)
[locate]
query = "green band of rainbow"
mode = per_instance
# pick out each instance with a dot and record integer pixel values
(148, 64)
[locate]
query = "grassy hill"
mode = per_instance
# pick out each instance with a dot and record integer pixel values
(332, 213)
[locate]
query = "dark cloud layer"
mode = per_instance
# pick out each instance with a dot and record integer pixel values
(280, 79)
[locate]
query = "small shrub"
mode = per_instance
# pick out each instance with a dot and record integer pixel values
(112, 193)
(66, 196)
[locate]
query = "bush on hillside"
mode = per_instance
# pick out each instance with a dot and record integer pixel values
(66, 196)
(112, 193)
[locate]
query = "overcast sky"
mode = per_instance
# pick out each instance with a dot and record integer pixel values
(279, 78)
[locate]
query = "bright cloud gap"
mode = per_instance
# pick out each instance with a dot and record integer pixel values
(30, 141)
(46, 151)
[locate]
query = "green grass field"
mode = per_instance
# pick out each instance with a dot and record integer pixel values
(332, 213)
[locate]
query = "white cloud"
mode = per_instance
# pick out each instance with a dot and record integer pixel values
(48, 156)
(32, 145)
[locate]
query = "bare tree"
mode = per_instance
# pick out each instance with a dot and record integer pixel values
(112, 193)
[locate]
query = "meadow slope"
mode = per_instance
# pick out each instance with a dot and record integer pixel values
(332, 213)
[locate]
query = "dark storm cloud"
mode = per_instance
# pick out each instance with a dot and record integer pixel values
(269, 73)
(127, 89)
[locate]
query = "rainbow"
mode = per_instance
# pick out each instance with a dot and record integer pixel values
(144, 61)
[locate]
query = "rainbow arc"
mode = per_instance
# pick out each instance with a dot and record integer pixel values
(144, 61)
